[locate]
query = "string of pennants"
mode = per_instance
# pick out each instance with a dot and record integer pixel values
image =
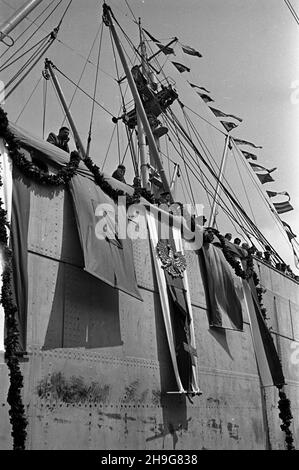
(263, 174)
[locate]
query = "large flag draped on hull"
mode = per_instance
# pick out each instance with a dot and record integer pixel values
(177, 313)
(106, 256)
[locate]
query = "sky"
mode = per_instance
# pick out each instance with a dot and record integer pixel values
(250, 64)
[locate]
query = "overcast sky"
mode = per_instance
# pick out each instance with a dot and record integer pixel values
(250, 62)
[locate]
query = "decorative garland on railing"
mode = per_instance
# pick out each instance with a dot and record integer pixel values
(14, 397)
(284, 403)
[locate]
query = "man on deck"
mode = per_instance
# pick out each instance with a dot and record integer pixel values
(119, 173)
(60, 140)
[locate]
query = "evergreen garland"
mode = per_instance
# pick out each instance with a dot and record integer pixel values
(284, 403)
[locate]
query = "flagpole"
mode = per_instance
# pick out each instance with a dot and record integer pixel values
(212, 219)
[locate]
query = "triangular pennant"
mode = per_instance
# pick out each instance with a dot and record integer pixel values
(204, 97)
(166, 49)
(288, 230)
(219, 113)
(191, 51)
(257, 168)
(199, 87)
(150, 36)
(245, 142)
(249, 155)
(229, 126)
(180, 67)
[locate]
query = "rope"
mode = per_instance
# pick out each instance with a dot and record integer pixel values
(23, 109)
(293, 12)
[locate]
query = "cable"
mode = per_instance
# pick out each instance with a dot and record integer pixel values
(293, 12)
(23, 109)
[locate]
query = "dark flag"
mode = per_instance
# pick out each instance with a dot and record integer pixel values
(106, 256)
(204, 97)
(229, 126)
(19, 244)
(265, 178)
(245, 142)
(249, 155)
(199, 87)
(166, 49)
(150, 36)
(289, 231)
(282, 207)
(256, 168)
(189, 50)
(274, 193)
(180, 67)
(219, 113)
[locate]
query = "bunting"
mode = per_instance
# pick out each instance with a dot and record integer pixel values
(257, 168)
(282, 207)
(166, 49)
(204, 97)
(274, 193)
(229, 126)
(288, 230)
(265, 178)
(180, 67)
(249, 155)
(191, 51)
(199, 87)
(246, 142)
(150, 36)
(219, 113)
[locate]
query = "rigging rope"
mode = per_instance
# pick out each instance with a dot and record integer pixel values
(31, 94)
(293, 12)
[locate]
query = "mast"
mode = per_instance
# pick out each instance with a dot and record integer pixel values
(212, 219)
(139, 106)
(49, 70)
(144, 168)
(16, 18)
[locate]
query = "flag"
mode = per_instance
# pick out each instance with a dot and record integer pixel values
(274, 193)
(19, 245)
(245, 142)
(249, 155)
(265, 178)
(296, 258)
(166, 49)
(204, 97)
(107, 256)
(189, 50)
(229, 126)
(256, 168)
(180, 67)
(289, 231)
(150, 36)
(282, 207)
(199, 87)
(224, 305)
(219, 113)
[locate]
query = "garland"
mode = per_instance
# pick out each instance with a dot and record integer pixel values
(284, 403)
(14, 397)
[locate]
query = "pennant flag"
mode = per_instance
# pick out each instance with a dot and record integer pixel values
(204, 97)
(199, 87)
(249, 155)
(296, 258)
(229, 126)
(288, 230)
(257, 168)
(150, 36)
(245, 142)
(189, 50)
(180, 67)
(282, 207)
(274, 193)
(265, 178)
(219, 113)
(166, 49)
